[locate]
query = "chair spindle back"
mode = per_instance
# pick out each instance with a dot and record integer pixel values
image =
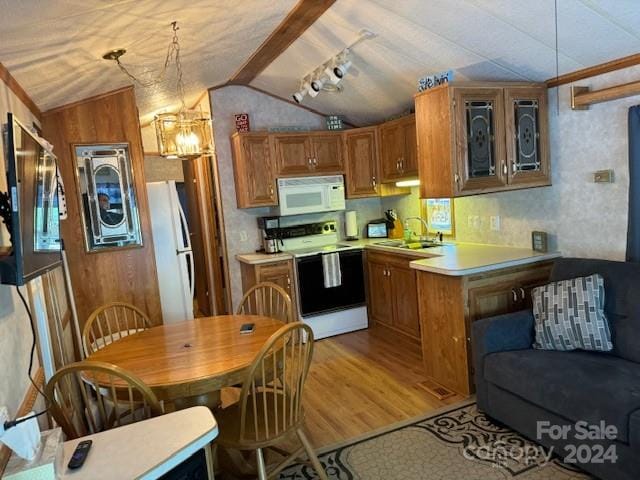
(89, 397)
(112, 322)
(267, 299)
(271, 395)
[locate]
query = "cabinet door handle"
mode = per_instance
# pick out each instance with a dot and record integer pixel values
(315, 162)
(271, 190)
(505, 170)
(514, 167)
(456, 177)
(288, 280)
(402, 164)
(515, 295)
(522, 294)
(309, 162)
(373, 182)
(398, 165)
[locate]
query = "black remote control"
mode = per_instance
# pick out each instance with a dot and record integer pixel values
(79, 454)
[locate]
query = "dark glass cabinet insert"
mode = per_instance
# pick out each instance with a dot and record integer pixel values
(481, 160)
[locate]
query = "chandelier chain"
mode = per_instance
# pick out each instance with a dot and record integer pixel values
(173, 53)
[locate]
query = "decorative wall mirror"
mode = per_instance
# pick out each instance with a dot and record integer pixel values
(107, 197)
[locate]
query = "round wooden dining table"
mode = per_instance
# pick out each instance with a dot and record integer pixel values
(188, 363)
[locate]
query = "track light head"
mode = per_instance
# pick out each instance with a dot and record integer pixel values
(318, 83)
(300, 94)
(341, 70)
(332, 78)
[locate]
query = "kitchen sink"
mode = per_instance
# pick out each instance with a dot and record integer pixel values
(407, 246)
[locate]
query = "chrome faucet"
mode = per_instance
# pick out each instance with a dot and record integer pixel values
(426, 226)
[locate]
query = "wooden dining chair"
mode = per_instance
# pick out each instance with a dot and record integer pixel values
(267, 299)
(112, 322)
(270, 404)
(88, 397)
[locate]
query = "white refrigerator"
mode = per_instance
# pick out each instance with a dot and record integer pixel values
(172, 245)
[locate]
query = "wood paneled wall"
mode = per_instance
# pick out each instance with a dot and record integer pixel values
(127, 275)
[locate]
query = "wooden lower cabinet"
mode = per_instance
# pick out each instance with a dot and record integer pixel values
(393, 295)
(448, 305)
(279, 272)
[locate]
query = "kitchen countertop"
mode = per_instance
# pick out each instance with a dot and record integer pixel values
(256, 258)
(459, 259)
(467, 259)
(453, 259)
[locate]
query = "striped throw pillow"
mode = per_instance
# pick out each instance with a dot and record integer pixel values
(569, 315)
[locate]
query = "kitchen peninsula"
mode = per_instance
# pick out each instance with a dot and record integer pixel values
(432, 295)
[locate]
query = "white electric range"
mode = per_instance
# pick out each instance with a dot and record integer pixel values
(328, 311)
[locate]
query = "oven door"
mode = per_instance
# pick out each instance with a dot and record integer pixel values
(315, 298)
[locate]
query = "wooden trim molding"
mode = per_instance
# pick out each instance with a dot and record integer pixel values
(600, 69)
(19, 92)
(26, 406)
(582, 97)
(303, 15)
(87, 100)
(278, 97)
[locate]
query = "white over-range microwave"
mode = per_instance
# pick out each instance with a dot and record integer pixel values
(310, 194)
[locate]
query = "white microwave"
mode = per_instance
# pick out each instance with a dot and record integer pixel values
(310, 195)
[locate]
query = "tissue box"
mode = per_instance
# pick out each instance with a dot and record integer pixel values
(48, 460)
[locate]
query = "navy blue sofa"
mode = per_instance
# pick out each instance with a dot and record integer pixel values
(519, 386)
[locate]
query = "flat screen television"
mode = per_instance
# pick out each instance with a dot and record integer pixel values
(32, 219)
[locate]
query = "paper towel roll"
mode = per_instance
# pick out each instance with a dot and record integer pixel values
(351, 224)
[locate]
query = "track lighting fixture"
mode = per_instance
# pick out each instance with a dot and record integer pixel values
(328, 75)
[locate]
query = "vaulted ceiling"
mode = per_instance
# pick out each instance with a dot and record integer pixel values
(54, 48)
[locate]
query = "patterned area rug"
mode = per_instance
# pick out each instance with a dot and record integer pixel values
(459, 444)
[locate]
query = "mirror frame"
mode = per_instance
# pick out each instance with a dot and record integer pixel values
(98, 235)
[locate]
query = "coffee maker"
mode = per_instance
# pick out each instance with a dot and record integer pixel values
(270, 227)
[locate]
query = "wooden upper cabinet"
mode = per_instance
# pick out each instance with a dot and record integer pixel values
(479, 128)
(326, 153)
(398, 150)
(391, 150)
(410, 158)
(478, 138)
(361, 162)
(308, 153)
(254, 173)
(527, 135)
(293, 156)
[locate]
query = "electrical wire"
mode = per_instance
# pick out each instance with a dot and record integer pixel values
(555, 10)
(13, 423)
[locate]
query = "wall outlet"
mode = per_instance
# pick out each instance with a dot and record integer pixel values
(495, 223)
(474, 222)
(603, 176)
(243, 236)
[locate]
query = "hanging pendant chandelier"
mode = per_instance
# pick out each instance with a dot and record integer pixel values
(187, 133)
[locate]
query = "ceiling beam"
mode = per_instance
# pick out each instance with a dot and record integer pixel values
(596, 70)
(303, 15)
(19, 92)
